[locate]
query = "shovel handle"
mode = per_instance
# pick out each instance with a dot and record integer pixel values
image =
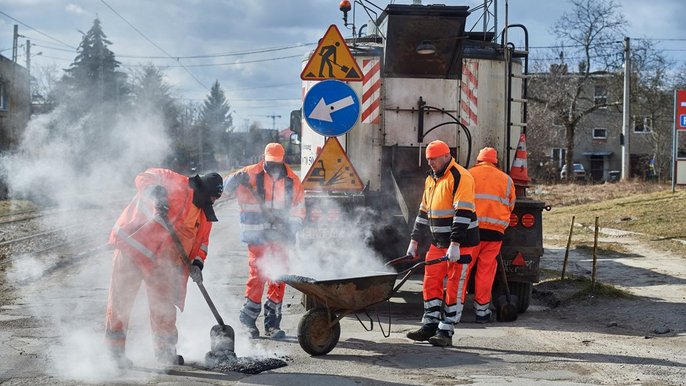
(210, 303)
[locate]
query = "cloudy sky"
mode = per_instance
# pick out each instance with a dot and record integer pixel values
(254, 48)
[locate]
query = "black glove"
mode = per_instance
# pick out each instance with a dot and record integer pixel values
(196, 270)
(159, 194)
(243, 178)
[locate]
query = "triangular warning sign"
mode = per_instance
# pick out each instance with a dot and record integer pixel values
(332, 60)
(332, 170)
(519, 260)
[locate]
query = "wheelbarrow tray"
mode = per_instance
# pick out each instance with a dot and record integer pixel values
(346, 294)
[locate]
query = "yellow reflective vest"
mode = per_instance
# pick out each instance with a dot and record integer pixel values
(447, 211)
(495, 200)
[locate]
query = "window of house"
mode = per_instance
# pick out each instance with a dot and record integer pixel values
(3, 96)
(600, 95)
(642, 125)
(599, 133)
(559, 155)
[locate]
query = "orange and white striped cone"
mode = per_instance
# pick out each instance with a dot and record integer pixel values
(519, 171)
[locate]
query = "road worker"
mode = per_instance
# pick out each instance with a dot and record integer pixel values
(146, 252)
(495, 200)
(272, 205)
(447, 215)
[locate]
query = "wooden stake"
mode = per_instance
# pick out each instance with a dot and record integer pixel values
(595, 259)
(569, 242)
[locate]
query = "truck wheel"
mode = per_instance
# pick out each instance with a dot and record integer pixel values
(314, 334)
(523, 292)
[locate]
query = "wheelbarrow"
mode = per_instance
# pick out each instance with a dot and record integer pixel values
(319, 329)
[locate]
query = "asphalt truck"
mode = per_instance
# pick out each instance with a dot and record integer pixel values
(423, 77)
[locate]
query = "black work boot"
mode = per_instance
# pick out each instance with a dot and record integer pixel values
(249, 324)
(425, 332)
(442, 338)
(483, 319)
(272, 320)
(168, 357)
(120, 360)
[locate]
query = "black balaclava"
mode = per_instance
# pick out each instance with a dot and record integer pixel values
(204, 188)
(275, 169)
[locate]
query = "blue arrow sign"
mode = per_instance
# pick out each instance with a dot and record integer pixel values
(331, 108)
(682, 120)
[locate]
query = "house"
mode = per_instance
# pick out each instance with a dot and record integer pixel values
(15, 107)
(598, 135)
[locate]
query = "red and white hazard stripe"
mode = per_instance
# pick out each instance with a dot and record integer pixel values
(371, 90)
(469, 93)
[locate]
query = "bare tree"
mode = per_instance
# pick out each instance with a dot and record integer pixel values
(591, 29)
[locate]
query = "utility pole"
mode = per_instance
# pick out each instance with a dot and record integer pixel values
(15, 42)
(273, 117)
(28, 65)
(627, 110)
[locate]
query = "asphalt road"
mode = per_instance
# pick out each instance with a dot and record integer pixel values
(51, 330)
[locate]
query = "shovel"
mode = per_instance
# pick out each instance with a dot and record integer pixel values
(507, 304)
(221, 335)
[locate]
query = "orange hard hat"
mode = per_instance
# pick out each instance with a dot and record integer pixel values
(488, 154)
(274, 152)
(436, 149)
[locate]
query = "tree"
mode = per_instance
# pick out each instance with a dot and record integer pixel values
(592, 28)
(153, 96)
(215, 122)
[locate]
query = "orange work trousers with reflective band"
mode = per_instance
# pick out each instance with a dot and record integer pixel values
(433, 289)
(161, 287)
(260, 257)
(485, 254)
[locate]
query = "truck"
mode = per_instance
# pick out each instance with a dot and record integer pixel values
(424, 78)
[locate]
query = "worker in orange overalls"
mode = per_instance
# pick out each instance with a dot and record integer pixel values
(447, 214)
(495, 200)
(272, 204)
(145, 252)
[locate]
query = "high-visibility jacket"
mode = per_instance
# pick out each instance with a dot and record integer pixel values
(447, 209)
(272, 210)
(495, 200)
(143, 237)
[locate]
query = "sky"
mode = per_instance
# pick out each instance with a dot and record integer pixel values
(255, 48)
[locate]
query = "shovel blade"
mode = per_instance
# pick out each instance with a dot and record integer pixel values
(507, 311)
(222, 338)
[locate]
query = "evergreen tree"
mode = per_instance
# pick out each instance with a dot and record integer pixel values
(215, 123)
(93, 74)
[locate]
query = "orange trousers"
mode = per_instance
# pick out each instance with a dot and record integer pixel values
(260, 255)
(161, 288)
(485, 254)
(455, 288)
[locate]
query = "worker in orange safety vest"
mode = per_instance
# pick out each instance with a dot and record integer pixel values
(272, 205)
(145, 252)
(447, 214)
(495, 199)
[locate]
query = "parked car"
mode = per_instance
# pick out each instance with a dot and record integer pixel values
(578, 170)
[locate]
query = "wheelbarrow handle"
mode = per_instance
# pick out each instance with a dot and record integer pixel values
(411, 270)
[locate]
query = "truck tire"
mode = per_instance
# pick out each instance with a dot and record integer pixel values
(523, 292)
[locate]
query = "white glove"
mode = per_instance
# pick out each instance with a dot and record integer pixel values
(412, 248)
(454, 252)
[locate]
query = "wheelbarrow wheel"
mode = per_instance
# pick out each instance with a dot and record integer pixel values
(315, 335)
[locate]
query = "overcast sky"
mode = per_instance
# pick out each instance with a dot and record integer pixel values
(255, 47)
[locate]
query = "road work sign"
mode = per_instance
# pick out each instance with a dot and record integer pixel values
(332, 170)
(331, 108)
(332, 60)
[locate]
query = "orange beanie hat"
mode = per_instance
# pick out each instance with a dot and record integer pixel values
(436, 149)
(274, 152)
(488, 154)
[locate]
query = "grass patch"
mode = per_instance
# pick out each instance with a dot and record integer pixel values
(599, 290)
(9, 206)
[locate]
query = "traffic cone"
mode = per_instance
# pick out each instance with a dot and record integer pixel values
(519, 171)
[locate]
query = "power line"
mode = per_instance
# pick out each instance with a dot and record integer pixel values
(234, 63)
(40, 32)
(153, 43)
(221, 55)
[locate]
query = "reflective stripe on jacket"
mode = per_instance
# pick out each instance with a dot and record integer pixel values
(447, 209)
(269, 201)
(495, 200)
(143, 237)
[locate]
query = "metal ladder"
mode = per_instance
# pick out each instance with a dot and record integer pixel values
(511, 53)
